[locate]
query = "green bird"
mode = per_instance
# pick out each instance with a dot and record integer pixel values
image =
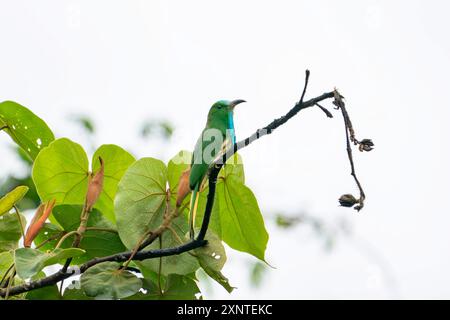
(217, 136)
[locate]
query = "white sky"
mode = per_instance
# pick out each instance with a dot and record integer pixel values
(125, 61)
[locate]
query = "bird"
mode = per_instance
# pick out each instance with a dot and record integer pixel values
(215, 139)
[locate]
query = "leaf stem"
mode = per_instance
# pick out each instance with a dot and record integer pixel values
(63, 238)
(6, 274)
(22, 228)
(101, 229)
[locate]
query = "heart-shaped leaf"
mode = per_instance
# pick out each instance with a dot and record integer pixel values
(61, 172)
(140, 200)
(29, 131)
(241, 224)
(11, 198)
(235, 217)
(106, 281)
(29, 262)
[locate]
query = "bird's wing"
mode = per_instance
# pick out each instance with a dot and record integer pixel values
(199, 166)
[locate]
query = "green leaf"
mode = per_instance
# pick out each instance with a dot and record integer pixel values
(241, 223)
(6, 260)
(105, 281)
(176, 288)
(180, 288)
(29, 131)
(75, 294)
(30, 261)
(11, 198)
(10, 231)
(233, 167)
(117, 161)
(30, 200)
(140, 200)
(61, 172)
(235, 216)
(212, 258)
(45, 293)
(96, 243)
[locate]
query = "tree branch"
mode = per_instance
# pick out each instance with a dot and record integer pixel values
(200, 240)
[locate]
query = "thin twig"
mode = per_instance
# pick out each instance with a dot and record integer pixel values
(307, 73)
(328, 113)
(54, 237)
(10, 281)
(67, 235)
(350, 137)
(136, 249)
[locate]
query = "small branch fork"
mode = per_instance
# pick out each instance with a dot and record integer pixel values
(141, 254)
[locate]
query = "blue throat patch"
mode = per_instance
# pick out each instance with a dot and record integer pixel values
(231, 127)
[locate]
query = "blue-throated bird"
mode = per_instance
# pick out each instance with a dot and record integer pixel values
(217, 136)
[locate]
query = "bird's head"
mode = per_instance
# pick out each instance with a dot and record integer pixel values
(223, 107)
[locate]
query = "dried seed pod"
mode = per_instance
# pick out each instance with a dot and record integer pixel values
(347, 200)
(366, 145)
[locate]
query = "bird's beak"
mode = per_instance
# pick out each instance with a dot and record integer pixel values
(234, 103)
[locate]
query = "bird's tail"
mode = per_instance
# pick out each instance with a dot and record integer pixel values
(193, 210)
